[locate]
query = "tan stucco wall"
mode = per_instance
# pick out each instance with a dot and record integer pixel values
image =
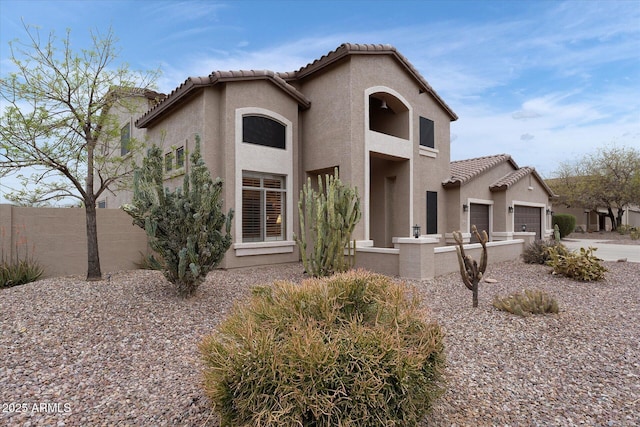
(57, 237)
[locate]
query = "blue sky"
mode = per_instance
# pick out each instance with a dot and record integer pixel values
(545, 81)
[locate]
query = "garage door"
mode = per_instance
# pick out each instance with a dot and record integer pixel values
(526, 215)
(479, 218)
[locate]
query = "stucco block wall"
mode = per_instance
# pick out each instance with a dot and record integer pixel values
(57, 237)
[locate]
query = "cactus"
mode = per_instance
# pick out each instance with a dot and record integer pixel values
(469, 270)
(183, 226)
(327, 220)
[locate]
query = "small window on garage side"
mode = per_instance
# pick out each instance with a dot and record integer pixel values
(263, 131)
(427, 134)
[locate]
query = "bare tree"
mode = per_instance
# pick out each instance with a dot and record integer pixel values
(57, 123)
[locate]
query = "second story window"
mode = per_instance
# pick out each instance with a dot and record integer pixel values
(427, 134)
(264, 131)
(125, 139)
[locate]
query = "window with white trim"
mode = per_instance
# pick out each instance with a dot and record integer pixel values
(263, 207)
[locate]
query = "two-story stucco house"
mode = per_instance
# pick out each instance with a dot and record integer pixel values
(361, 108)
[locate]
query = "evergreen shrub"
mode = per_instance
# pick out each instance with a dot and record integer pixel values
(353, 349)
(566, 224)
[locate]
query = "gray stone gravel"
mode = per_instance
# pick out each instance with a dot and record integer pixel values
(124, 352)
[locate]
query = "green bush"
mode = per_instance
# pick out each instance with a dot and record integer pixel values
(566, 223)
(354, 349)
(538, 251)
(531, 302)
(581, 265)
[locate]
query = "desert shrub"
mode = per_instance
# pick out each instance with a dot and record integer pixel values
(21, 267)
(353, 349)
(632, 231)
(566, 224)
(531, 302)
(538, 251)
(624, 229)
(580, 265)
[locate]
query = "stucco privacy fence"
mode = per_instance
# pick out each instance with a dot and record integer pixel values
(56, 237)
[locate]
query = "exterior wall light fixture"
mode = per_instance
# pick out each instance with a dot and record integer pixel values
(510, 209)
(465, 207)
(416, 231)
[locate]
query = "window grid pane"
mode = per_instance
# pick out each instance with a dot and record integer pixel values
(251, 216)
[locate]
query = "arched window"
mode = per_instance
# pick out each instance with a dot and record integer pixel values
(263, 131)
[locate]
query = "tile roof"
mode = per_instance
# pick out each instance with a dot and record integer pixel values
(347, 49)
(463, 171)
(511, 178)
(193, 83)
(282, 79)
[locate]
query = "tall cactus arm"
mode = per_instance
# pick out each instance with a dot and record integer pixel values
(463, 270)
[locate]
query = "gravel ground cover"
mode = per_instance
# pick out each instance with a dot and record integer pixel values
(124, 351)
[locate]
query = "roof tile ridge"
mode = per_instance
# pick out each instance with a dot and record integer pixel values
(188, 82)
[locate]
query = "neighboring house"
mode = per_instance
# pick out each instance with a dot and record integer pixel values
(129, 101)
(588, 217)
(496, 195)
(363, 109)
(589, 220)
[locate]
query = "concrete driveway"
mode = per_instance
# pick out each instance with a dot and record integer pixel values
(606, 251)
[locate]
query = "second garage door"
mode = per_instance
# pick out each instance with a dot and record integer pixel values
(529, 216)
(479, 218)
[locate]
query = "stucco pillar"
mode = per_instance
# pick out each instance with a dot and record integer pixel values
(416, 259)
